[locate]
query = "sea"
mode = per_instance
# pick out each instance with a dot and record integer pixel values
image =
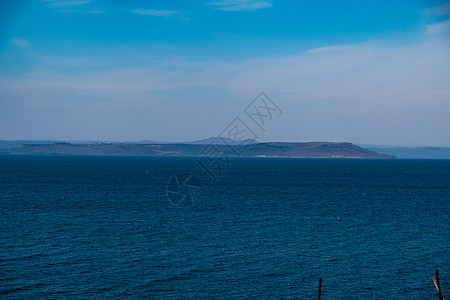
(85, 227)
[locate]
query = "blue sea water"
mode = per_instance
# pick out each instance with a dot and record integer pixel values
(103, 227)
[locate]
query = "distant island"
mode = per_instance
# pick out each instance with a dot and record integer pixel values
(222, 146)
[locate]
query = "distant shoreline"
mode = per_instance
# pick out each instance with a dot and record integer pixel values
(273, 149)
(196, 156)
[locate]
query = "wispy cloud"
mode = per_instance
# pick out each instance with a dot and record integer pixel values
(441, 15)
(21, 42)
(438, 28)
(69, 7)
(328, 49)
(238, 5)
(155, 12)
(56, 3)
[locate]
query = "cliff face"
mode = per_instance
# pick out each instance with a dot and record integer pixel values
(304, 150)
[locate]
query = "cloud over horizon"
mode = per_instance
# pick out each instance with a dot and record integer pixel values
(360, 83)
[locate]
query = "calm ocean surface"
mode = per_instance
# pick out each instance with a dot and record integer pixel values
(102, 227)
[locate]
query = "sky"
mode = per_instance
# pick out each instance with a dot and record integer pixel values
(366, 72)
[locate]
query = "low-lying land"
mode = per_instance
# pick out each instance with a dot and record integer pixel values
(272, 149)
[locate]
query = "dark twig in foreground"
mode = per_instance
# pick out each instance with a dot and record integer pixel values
(436, 283)
(320, 287)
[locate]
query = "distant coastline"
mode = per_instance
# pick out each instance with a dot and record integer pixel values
(247, 149)
(31, 147)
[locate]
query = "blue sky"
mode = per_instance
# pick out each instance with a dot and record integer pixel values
(373, 72)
